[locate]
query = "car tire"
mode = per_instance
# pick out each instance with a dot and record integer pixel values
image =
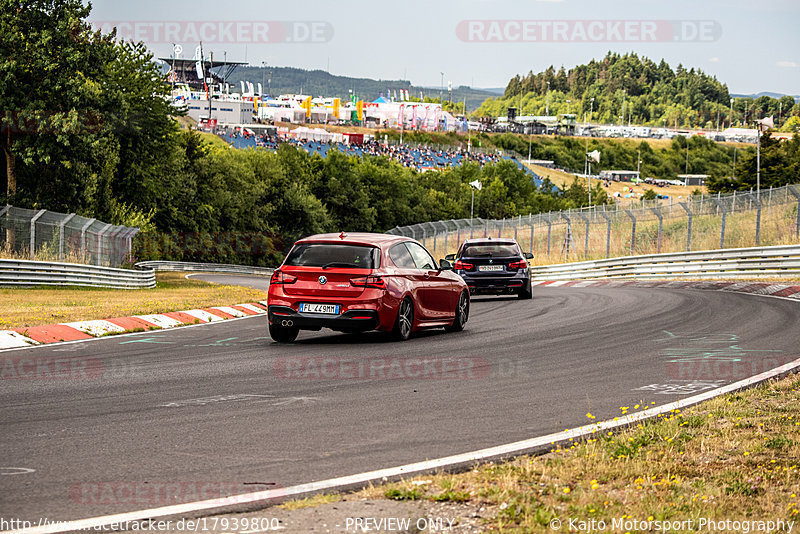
(404, 323)
(283, 334)
(462, 314)
(526, 293)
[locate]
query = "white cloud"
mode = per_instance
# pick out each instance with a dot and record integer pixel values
(790, 64)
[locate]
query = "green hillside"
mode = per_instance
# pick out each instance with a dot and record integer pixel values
(628, 88)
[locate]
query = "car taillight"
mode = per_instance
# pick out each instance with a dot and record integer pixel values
(463, 266)
(282, 278)
(518, 265)
(375, 282)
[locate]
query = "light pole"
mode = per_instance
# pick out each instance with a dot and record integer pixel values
(441, 90)
(731, 117)
(474, 185)
(624, 98)
(263, 73)
(591, 109)
(547, 105)
(687, 156)
(569, 106)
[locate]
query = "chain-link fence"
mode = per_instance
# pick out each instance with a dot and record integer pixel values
(701, 222)
(49, 236)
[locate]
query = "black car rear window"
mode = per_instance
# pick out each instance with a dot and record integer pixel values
(494, 250)
(334, 255)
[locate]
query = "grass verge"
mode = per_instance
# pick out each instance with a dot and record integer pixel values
(731, 458)
(21, 308)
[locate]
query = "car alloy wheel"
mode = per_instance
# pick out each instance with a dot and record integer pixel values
(405, 320)
(462, 314)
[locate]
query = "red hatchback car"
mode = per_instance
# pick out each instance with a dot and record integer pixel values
(358, 282)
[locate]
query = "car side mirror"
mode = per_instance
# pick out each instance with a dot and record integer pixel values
(445, 265)
(450, 257)
(528, 256)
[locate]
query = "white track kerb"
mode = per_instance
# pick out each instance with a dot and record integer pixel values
(540, 444)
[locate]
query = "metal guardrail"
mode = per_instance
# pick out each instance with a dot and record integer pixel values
(160, 265)
(781, 260)
(42, 273)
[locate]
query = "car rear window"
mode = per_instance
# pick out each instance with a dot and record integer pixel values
(494, 250)
(334, 255)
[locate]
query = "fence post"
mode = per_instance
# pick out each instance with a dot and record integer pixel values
(604, 215)
(586, 237)
(61, 235)
(724, 215)
(502, 227)
(100, 241)
(33, 232)
(435, 235)
(83, 237)
(549, 230)
(797, 222)
(531, 249)
(3, 211)
(657, 211)
(486, 229)
(688, 227)
(733, 203)
(445, 238)
(633, 231)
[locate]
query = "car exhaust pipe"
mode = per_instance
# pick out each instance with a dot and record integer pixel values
(287, 323)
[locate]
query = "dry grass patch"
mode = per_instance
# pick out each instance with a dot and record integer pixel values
(310, 502)
(21, 308)
(734, 457)
(565, 179)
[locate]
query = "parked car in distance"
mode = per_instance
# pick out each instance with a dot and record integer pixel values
(493, 266)
(359, 282)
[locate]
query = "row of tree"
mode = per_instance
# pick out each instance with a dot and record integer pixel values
(289, 194)
(622, 89)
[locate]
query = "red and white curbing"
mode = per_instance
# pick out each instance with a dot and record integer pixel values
(39, 335)
(753, 288)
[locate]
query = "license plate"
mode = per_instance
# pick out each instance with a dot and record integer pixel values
(490, 267)
(330, 309)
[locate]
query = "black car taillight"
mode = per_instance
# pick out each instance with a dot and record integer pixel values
(281, 278)
(375, 282)
(463, 266)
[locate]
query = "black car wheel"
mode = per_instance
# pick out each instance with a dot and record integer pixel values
(462, 314)
(405, 320)
(283, 334)
(526, 293)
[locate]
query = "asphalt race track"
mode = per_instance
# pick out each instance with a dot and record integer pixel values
(214, 404)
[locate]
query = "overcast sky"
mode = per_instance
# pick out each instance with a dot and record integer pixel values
(751, 45)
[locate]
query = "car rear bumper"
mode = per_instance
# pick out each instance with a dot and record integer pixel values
(355, 320)
(497, 285)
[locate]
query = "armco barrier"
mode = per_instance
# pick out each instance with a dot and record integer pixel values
(160, 265)
(42, 273)
(726, 263)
